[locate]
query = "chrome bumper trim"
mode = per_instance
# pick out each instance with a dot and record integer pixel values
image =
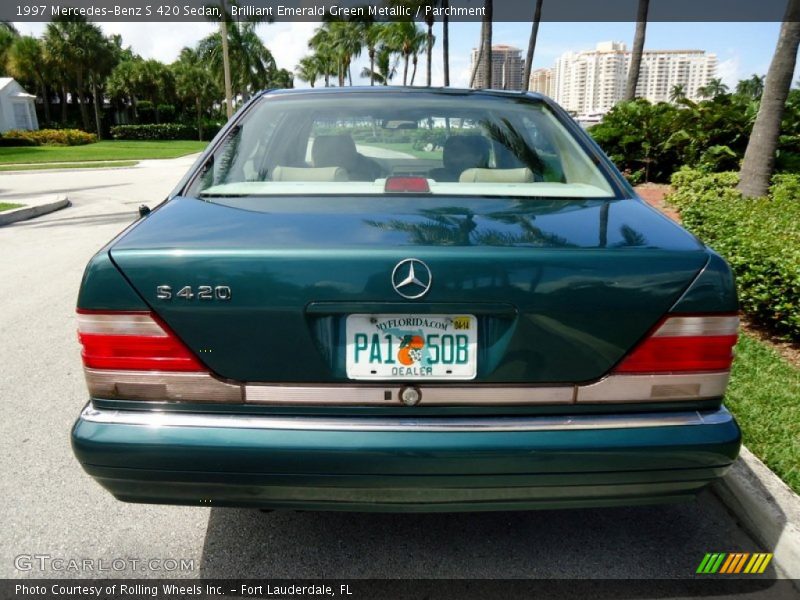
(205, 387)
(389, 394)
(158, 418)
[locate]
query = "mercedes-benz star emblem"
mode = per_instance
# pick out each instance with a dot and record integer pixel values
(411, 278)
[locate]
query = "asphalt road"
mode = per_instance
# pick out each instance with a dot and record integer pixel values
(50, 507)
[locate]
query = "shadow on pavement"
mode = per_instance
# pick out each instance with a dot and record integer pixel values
(667, 541)
(101, 219)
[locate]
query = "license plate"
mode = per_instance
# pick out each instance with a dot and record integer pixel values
(411, 347)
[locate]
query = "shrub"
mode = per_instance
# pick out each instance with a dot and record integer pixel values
(164, 131)
(16, 141)
(52, 137)
(758, 237)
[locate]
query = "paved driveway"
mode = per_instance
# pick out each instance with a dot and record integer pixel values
(51, 507)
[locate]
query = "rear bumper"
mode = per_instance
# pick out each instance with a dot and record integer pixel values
(404, 464)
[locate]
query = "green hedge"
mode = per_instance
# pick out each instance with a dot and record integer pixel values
(15, 142)
(50, 137)
(760, 238)
(164, 131)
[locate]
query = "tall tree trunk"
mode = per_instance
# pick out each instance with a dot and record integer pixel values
(96, 102)
(405, 70)
(446, 43)
(429, 57)
(82, 101)
(759, 158)
(486, 42)
(226, 61)
(46, 103)
(478, 58)
(371, 66)
(63, 104)
(638, 48)
(537, 17)
(135, 108)
(414, 70)
(199, 108)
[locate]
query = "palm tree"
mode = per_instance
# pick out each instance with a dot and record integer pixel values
(322, 45)
(418, 44)
(751, 88)
(26, 61)
(677, 93)
(155, 82)
(638, 50)
(194, 83)
(346, 41)
(429, 41)
(103, 55)
(226, 61)
(74, 42)
(8, 33)
(713, 89)
(373, 35)
(252, 65)
(446, 42)
(384, 70)
(537, 17)
(759, 157)
(486, 43)
(406, 39)
(308, 69)
(122, 83)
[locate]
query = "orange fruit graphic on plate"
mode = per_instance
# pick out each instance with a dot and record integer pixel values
(410, 349)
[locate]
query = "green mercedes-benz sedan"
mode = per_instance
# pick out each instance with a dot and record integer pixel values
(405, 300)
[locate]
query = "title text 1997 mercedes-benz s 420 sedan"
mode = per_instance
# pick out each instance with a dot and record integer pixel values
(405, 300)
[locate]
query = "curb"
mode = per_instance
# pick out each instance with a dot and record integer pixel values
(766, 507)
(29, 212)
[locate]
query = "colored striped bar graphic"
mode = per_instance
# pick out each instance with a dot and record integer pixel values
(731, 563)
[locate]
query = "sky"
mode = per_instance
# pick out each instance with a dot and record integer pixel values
(742, 49)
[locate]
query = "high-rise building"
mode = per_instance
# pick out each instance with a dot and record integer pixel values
(507, 68)
(542, 81)
(593, 81)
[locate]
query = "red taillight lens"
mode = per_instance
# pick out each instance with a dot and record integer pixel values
(685, 343)
(407, 184)
(132, 342)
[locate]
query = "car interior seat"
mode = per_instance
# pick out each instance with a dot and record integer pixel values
(462, 152)
(340, 151)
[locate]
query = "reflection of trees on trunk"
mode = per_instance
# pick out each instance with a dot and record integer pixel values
(448, 226)
(456, 226)
(630, 237)
(529, 234)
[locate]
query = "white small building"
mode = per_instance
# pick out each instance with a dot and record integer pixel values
(17, 107)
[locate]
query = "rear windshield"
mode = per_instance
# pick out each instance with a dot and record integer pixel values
(374, 143)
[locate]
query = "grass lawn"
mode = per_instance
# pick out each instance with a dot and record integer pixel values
(105, 150)
(83, 165)
(764, 395)
(8, 206)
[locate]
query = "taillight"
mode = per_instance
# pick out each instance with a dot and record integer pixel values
(407, 184)
(685, 343)
(132, 341)
(134, 356)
